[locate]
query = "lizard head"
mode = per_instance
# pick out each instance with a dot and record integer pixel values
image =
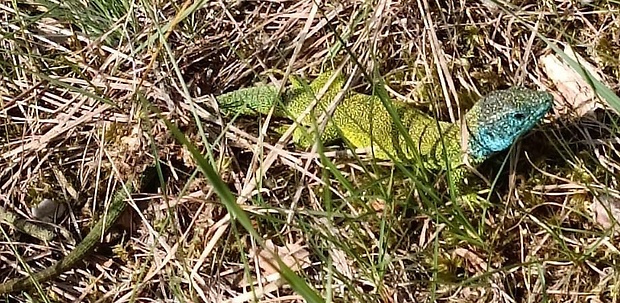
(497, 120)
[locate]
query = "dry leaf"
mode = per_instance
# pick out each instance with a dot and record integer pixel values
(603, 207)
(133, 141)
(341, 263)
(478, 264)
(378, 205)
(293, 255)
(574, 93)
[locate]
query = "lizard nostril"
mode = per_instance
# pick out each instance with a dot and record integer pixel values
(519, 116)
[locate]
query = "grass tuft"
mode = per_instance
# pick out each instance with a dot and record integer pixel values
(79, 82)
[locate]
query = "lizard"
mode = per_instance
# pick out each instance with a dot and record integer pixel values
(492, 125)
(90, 241)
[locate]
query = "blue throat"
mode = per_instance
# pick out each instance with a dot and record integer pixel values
(476, 150)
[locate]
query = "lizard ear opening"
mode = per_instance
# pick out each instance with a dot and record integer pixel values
(519, 116)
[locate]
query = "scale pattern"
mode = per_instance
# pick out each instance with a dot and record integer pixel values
(491, 125)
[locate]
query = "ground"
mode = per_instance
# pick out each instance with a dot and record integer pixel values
(88, 86)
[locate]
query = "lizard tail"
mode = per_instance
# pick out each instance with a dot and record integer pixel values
(24, 283)
(78, 253)
(250, 101)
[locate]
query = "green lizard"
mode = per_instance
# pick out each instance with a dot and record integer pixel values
(491, 125)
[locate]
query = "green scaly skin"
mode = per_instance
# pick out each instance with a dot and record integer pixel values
(492, 125)
(89, 242)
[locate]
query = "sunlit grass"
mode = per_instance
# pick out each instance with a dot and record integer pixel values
(80, 79)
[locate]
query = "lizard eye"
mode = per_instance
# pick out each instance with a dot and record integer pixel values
(519, 116)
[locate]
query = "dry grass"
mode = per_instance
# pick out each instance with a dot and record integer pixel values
(78, 90)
